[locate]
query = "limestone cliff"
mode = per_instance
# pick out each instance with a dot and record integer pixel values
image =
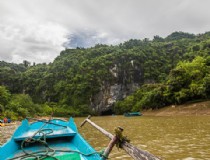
(126, 81)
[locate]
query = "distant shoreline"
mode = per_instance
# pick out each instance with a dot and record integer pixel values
(188, 109)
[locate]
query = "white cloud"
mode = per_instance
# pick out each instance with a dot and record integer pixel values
(31, 40)
(36, 30)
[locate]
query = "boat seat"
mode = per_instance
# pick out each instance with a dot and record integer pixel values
(64, 132)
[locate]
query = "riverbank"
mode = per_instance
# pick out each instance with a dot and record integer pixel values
(188, 109)
(7, 131)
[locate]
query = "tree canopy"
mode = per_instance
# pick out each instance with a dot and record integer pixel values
(169, 70)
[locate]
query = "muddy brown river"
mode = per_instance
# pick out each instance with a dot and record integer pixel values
(171, 138)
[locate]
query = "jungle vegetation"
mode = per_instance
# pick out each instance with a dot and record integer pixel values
(174, 70)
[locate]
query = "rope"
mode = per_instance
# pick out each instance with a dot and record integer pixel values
(47, 122)
(48, 152)
(65, 151)
(121, 138)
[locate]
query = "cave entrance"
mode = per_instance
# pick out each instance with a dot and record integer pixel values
(107, 112)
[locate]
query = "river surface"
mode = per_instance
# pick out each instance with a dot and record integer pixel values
(170, 138)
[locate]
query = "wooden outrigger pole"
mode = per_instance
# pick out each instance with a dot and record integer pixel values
(133, 151)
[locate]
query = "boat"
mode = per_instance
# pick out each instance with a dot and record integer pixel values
(53, 139)
(131, 114)
(1, 123)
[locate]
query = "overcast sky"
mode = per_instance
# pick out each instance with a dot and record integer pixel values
(37, 30)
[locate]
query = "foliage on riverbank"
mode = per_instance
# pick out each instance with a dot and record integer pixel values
(188, 81)
(170, 70)
(19, 106)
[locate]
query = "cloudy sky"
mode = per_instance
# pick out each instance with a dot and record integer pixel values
(37, 30)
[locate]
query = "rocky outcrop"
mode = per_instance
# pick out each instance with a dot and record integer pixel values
(104, 100)
(126, 81)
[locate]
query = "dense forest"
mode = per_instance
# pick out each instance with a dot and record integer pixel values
(164, 71)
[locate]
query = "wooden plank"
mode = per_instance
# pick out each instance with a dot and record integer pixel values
(133, 151)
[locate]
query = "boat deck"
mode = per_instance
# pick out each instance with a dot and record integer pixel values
(63, 147)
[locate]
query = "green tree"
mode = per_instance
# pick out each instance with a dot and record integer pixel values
(22, 104)
(4, 96)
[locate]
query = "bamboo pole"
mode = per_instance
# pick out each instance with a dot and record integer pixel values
(133, 151)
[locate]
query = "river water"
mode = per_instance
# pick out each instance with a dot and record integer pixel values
(170, 138)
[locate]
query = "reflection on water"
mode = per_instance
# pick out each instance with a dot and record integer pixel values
(171, 138)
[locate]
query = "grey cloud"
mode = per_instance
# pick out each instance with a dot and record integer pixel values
(89, 38)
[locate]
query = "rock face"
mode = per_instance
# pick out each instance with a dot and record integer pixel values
(104, 100)
(126, 81)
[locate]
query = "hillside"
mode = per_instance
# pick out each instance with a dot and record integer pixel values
(132, 76)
